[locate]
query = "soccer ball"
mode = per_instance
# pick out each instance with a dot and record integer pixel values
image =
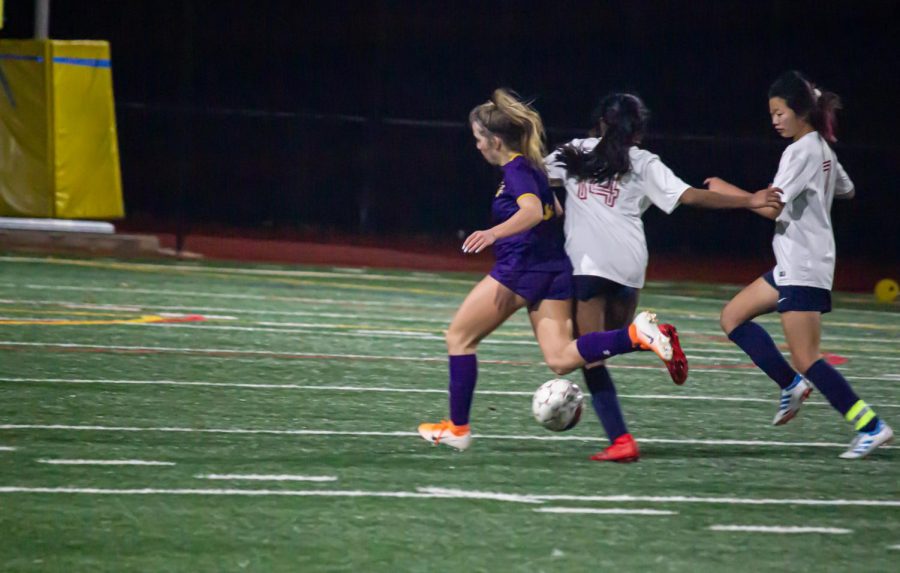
(557, 405)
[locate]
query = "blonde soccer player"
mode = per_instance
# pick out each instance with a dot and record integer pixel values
(809, 177)
(531, 270)
(610, 182)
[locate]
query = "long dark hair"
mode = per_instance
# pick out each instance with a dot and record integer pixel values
(624, 117)
(819, 107)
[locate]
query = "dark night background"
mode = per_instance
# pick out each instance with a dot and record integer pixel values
(307, 117)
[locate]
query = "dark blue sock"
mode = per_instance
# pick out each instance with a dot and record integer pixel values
(605, 401)
(597, 346)
(759, 346)
(841, 396)
(463, 375)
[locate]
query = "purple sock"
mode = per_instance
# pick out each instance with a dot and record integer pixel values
(605, 401)
(463, 375)
(596, 346)
(759, 346)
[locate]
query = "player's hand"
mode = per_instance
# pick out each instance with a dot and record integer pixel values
(716, 184)
(478, 241)
(769, 197)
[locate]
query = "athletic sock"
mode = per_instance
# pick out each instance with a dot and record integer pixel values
(605, 401)
(841, 396)
(759, 346)
(463, 375)
(597, 346)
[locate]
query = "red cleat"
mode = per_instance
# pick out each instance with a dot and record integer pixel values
(678, 365)
(623, 450)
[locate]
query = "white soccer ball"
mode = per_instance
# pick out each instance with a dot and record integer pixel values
(557, 405)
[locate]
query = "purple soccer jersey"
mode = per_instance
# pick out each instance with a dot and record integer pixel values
(540, 248)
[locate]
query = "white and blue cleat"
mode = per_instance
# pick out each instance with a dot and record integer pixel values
(865, 442)
(792, 398)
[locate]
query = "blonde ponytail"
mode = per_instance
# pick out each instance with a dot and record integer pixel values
(515, 122)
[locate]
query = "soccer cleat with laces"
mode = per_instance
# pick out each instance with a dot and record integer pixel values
(678, 366)
(447, 433)
(792, 398)
(623, 450)
(865, 442)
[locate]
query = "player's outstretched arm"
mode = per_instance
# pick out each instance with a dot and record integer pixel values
(729, 200)
(530, 213)
(765, 202)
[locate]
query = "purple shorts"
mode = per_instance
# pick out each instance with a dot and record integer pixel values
(536, 286)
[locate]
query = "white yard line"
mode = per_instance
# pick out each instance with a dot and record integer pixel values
(314, 355)
(780, 529)
(347, 316)
(103, 462)
(604, 511)
(250, 311)
(429, 358)
(338, 388)
(264, 477)
(251, 272)
(353, 302)
(403, 434)
(443, 493)
(268, 298)
(7, 449)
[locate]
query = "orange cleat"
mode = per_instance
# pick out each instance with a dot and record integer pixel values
(447, 433)
(678, 365)
(623, 450)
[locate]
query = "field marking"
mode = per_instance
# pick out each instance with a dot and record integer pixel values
(779, 529)
(62, 462)
(272, 278)
(370, 331)
(350, 302)
(441, 321)
(7, 449)
(129, 266)
(623, 498)
(444, 493)
(264, 477)
(403, 434)
(604, 511)
(745, 369)
(336, 272)
(779, 339)
(267, 298)
(141, 320)
(323, 314)
(334, 388)
(352, 331)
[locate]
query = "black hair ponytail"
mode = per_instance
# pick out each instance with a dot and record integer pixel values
(818, 107)
(623, 117)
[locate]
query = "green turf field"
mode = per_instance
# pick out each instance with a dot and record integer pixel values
(322, 374)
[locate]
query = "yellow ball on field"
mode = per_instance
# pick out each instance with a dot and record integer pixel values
(886, 290)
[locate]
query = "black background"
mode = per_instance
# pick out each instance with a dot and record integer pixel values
(307, 116)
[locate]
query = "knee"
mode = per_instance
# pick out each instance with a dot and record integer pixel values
(459, 342)
(728, 321)
(559, 366)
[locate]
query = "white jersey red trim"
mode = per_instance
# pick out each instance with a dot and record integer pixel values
(604, 231)
(809, 177)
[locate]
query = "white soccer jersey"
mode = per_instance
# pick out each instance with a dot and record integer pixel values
(604, 231)
(809, 177)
